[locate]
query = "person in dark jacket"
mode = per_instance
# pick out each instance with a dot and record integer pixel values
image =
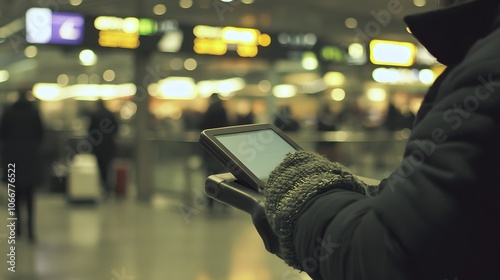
(437, 215)
(215, 116)
(285, 120)
(21, 133)
(102, 131)
(326, 120)
(397, 120)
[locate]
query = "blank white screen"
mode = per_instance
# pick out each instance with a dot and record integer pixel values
(260, 151)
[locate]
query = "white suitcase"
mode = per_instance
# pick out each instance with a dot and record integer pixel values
(83, 181)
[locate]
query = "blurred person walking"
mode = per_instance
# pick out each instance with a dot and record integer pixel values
(326, 121)
(285, 120)
(399, 116)
(102, 130)
(215, 116)
(244, 113)
(21, 133)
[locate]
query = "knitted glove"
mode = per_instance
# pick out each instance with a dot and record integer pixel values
(301, 176)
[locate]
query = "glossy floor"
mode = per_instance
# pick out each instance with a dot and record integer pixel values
(127, 240)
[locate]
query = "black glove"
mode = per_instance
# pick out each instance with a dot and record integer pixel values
(301, 176)
(265, 231)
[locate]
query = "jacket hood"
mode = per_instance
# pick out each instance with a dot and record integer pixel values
(449, 33)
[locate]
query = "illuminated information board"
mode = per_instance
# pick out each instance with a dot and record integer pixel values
(46, 27)
(216, 40)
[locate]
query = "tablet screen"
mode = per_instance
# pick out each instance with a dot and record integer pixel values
(260, 151)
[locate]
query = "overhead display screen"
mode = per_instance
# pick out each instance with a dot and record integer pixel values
(46, 27)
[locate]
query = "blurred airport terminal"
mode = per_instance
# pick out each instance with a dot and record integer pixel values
(341, 77)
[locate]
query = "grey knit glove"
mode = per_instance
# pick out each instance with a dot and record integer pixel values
(301, 176)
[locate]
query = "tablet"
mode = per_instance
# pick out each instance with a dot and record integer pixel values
(249, 152)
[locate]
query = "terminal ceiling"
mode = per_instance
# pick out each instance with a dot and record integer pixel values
(325, 18)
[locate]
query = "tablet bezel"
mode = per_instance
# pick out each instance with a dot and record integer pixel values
(209, 141)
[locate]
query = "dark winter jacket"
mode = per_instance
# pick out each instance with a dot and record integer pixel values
(102, 131)
(438, 215)
(21, 134)
(215, 116)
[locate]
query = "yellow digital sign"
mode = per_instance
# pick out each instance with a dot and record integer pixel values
(209, 46)
(392, 53)
(205, 31)
(235, 35)
(247, 51)
(215, 40)
(116, 32)
(118, 39)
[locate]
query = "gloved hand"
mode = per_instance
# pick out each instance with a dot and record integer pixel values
(265, 231)
(301, 176)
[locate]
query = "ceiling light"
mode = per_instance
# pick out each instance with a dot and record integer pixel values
(419, 3)
(309, 61)
(47, 92)
(351, 23)
(4, 76)
(128, 110)
(284, 91)
(186, 4)
(225, 87)
(83, 79)
(130, 25)
(53, 92)
(206, 88)
(426, 76)
(159, 9)
(94, 79)
(385, 75)
(356, 50)
(88, 57)
(264, 85)
(310, 39)
(190, 64)
(176, 64)
(229, 86)
(63, 80)
(283, 38)
(337, 94)
(109, 75)
(334, 79)
(75, 2)
(30, 51)
(376, 94)
(176, 88)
